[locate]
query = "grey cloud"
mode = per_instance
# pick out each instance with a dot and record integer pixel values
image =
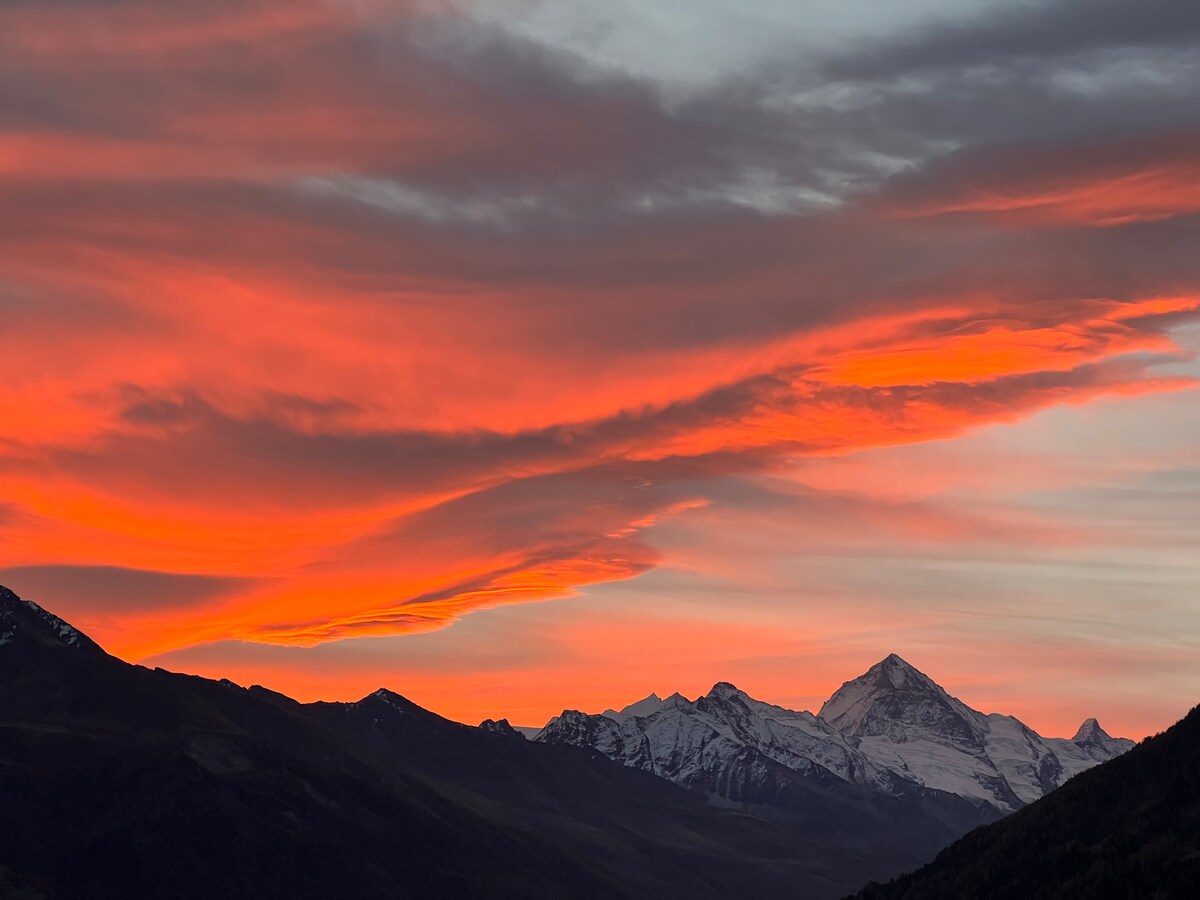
(557, 144)
(1020, 30)
(88, 589)
(689, 281)
(1000, 169)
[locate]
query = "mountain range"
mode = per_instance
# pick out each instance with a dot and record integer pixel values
(121, 781)
(892, 732)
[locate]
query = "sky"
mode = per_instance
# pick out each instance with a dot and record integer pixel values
(522, 355)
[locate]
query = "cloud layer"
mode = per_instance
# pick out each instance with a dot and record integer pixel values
(330, 320)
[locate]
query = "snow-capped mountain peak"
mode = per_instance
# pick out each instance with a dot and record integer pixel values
(1091, 732)
(906, 722)
(892, 730)
(896, 699)
(1092, 743)
(901, 673)
(647, 706)
(724, 690)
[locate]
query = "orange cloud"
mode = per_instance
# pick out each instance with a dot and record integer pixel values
(327, 321)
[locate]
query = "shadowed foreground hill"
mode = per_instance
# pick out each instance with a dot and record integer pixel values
(120, 782)
(1129, 828)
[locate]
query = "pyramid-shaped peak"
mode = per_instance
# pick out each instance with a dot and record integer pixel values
(893, 695)
(391, 698)
(1090, 730)
(724, 690)
(900, 672)
(891, 674)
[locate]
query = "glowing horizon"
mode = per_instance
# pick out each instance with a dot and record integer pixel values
(339, 339)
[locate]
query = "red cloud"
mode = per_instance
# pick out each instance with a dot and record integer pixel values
(376, 331)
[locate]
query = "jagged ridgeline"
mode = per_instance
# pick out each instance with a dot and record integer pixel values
(123, 782)
(892, 732)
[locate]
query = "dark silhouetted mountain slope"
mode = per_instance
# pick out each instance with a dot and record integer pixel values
(122, 782)
(1128, 828)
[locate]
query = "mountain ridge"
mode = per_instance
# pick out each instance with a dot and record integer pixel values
(1128, 828)
(123, 781)
(892, 730)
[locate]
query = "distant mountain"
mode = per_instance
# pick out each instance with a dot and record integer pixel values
(120, 782)
(901, 719)
(732, 747)
(891, 733)
(1128, 828)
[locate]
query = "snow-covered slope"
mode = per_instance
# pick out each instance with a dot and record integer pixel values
(889, 731)
(24, 620)
(901, 719)
(689, 741)
(645, 707)
(1090, 746)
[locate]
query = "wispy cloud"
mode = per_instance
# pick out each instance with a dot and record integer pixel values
(330, 320)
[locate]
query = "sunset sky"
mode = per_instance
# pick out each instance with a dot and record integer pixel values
(530, 354)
